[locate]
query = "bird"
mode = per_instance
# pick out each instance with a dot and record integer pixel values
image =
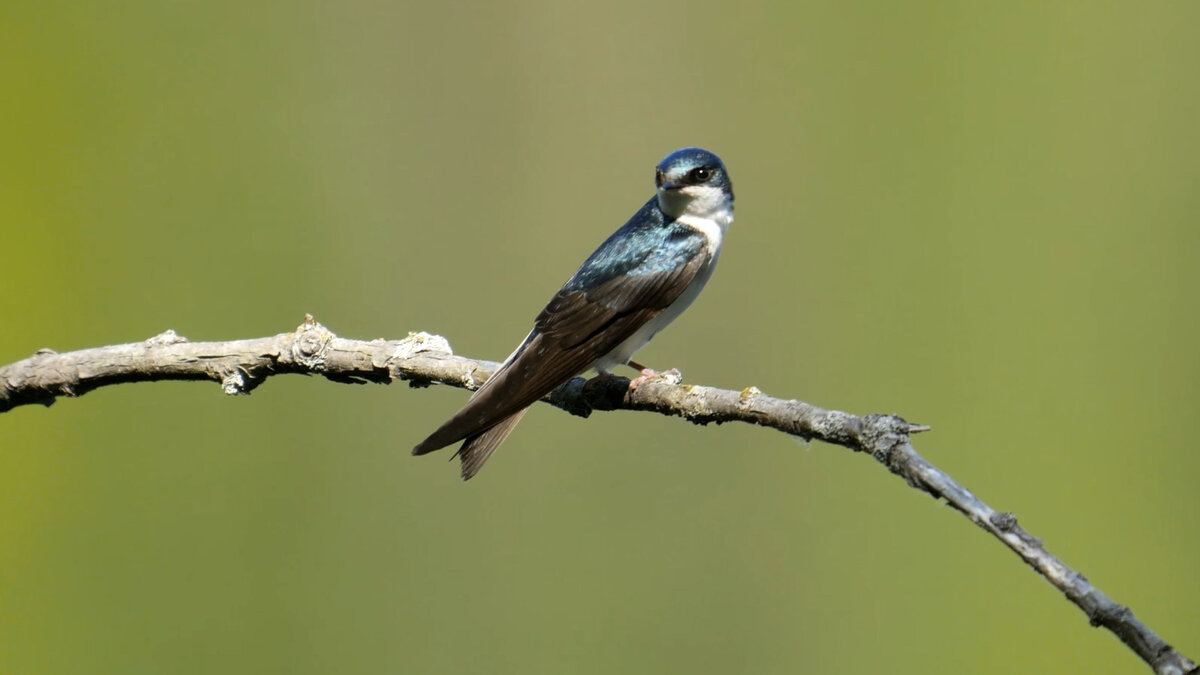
(639, 280)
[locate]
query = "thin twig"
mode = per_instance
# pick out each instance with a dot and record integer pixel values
(422, 359)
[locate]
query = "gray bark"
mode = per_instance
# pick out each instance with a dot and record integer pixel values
(422, 359)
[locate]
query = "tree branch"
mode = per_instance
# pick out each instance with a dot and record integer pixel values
(422, 359)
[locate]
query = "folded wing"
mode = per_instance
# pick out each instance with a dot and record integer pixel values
(585, 320)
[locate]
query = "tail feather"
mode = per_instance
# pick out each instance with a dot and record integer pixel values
(476, 449)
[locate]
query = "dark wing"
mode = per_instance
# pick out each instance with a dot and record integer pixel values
(623, 285)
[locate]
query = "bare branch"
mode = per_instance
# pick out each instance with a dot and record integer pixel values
(422, 359)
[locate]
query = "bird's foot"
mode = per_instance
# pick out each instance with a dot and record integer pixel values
(672, 376)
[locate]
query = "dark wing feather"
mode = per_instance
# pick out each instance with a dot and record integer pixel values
(582, 332)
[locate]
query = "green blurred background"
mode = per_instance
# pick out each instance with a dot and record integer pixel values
(981, 216)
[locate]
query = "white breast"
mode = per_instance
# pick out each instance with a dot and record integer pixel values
(713, 230)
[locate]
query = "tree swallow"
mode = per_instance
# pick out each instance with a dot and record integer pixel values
(638, 281)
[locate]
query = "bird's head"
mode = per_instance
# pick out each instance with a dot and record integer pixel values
(694, 182)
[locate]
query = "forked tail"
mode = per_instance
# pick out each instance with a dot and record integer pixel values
(476, 449)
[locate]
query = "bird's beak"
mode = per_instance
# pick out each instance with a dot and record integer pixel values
(660, 179)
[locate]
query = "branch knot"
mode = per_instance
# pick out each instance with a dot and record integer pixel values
(234, 383)
(167, 337)
(311, 344)
(421, 342)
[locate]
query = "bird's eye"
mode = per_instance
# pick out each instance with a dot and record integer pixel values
(700, 175)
